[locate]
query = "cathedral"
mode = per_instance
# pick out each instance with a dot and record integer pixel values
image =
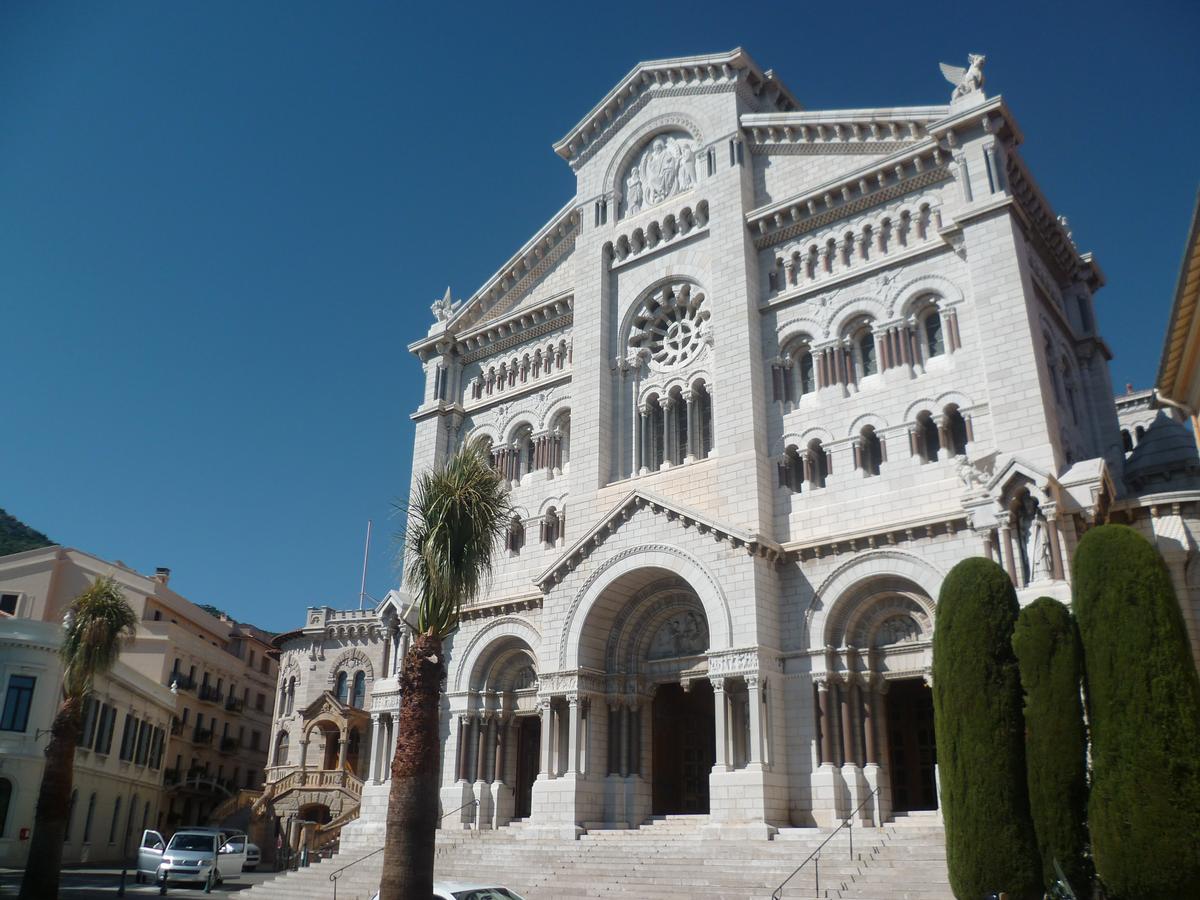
(756, 387)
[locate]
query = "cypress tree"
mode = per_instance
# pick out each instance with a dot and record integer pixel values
(1046, 642)
(1143, 700)
(990, 843)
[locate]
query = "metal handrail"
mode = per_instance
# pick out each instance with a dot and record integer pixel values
(815, 856)
(334, 875)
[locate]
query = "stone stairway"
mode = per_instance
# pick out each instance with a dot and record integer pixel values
(667, 859)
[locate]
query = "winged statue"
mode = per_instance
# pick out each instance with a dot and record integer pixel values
(965, 80)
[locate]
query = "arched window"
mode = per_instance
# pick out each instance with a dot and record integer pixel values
(515, 539)
(931, 328)
(956, 431)
(677, 421)
(871, 450)
(343, 687)
(791, 470)
(5, 802)
(657, 425)
(87, 823)
(281, 749)
(291, 700)
(806, 373)
(550, 527)
(282, 706)
(70, 814)
(927, 441)
(560, 435)
(1138, 434)
(1126, 441)
(523, 448)
(359, 695)
(112, 826)
(818, 462)
(702, 403)
(864, 348)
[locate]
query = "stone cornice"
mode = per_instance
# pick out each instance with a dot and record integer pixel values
(839, 131)
(489, 608)
(514, 278)
(753, 544)
(951, 521)
(721, 71)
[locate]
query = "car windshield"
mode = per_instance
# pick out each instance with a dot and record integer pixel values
(497, 893)
(201, 842)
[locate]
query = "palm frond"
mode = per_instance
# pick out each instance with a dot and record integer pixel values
(456, 516)
(101, 621)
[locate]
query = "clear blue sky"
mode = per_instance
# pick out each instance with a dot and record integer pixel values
(221, 223)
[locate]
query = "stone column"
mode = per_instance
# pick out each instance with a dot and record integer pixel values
(544, 755)
(754, 702)
(1057, 569)
(481, 730)
(647, 440)
(721, 764)
(946, 450)
(501, 735)
(1010, 563)
(670, 441)
(573, 734)
(376, 750)
(854, 713)
(825, 722)
(460, 758)
(342, 741)
(623, 717)
(847, 725)
(868, 719)
(693, 451)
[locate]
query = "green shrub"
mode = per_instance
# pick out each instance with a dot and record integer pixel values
(1143, 700)
(1046, 642)
(990, 843)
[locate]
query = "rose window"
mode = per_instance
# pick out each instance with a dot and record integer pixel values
(671, 326)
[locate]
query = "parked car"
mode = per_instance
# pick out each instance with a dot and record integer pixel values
(253, 857)
(192, 854)
(464, 890)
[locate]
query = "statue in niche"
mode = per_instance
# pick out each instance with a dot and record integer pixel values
(526, 678)
(665, 168)
(684, 634)
(1033, 541)
(968, 80)
(897, 630)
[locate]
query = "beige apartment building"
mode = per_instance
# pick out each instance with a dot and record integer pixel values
(217, 672)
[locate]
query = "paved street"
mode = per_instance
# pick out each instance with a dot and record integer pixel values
(85, 884)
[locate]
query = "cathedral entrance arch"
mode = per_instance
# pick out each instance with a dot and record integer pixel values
(874, 709)
(647, 639)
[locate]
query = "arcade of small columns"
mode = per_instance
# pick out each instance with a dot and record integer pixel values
(851, 719)
(487, 737)
(383, 746)
(541, 450)
(672, 427)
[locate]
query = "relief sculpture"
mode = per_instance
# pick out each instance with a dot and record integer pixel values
(685, 634)
(666, 167)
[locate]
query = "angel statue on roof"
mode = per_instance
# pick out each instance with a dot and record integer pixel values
(968, 80)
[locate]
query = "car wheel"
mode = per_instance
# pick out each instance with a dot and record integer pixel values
(137, 877)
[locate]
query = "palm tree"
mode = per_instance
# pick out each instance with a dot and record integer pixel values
(98, 622)
(456, 517)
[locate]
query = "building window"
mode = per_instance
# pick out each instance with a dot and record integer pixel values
(818, 462)
(281, 749)
(358, 696)
(112, 826)
(342, 690)
(143, 747)
(551, 529)
(791, 471)
(260, 702)
(70, 816)
(17, 702)
(870, 451)
(806, 373)
(8, 604)
(864, 346)
(956, 431)
(935, 342)
(255, 740)
(927, 440)
(128, 737)
(87, 822)
(87, 735)
(515, 538)
(5, 800)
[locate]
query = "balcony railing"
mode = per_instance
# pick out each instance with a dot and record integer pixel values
(176, 727)
(202, 735)
(229, 745)
(233, 704)
(181, 681)
(210, 694)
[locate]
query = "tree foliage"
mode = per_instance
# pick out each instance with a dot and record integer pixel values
(990, 842)
(1143, 700)
(16, 536)
(1046, 642)
(99, 622)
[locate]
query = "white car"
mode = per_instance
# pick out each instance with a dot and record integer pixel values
(253, 857)
(193, 854)
(466, 890)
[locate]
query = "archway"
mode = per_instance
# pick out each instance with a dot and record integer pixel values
(648, 633)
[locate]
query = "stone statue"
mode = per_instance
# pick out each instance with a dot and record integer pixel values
(684, 634)
(1034, 541)
(633, 191)
(968, 80)
(444, 308)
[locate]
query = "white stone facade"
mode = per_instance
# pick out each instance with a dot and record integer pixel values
(757, 387)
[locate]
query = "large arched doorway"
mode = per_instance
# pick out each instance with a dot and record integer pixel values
(874, 708)
(648, 633)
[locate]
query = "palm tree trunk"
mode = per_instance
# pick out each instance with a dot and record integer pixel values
(412, 817)
(54, 800)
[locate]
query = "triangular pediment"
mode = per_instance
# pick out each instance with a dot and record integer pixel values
(683, 516)
(328, 705)
(669, 78)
